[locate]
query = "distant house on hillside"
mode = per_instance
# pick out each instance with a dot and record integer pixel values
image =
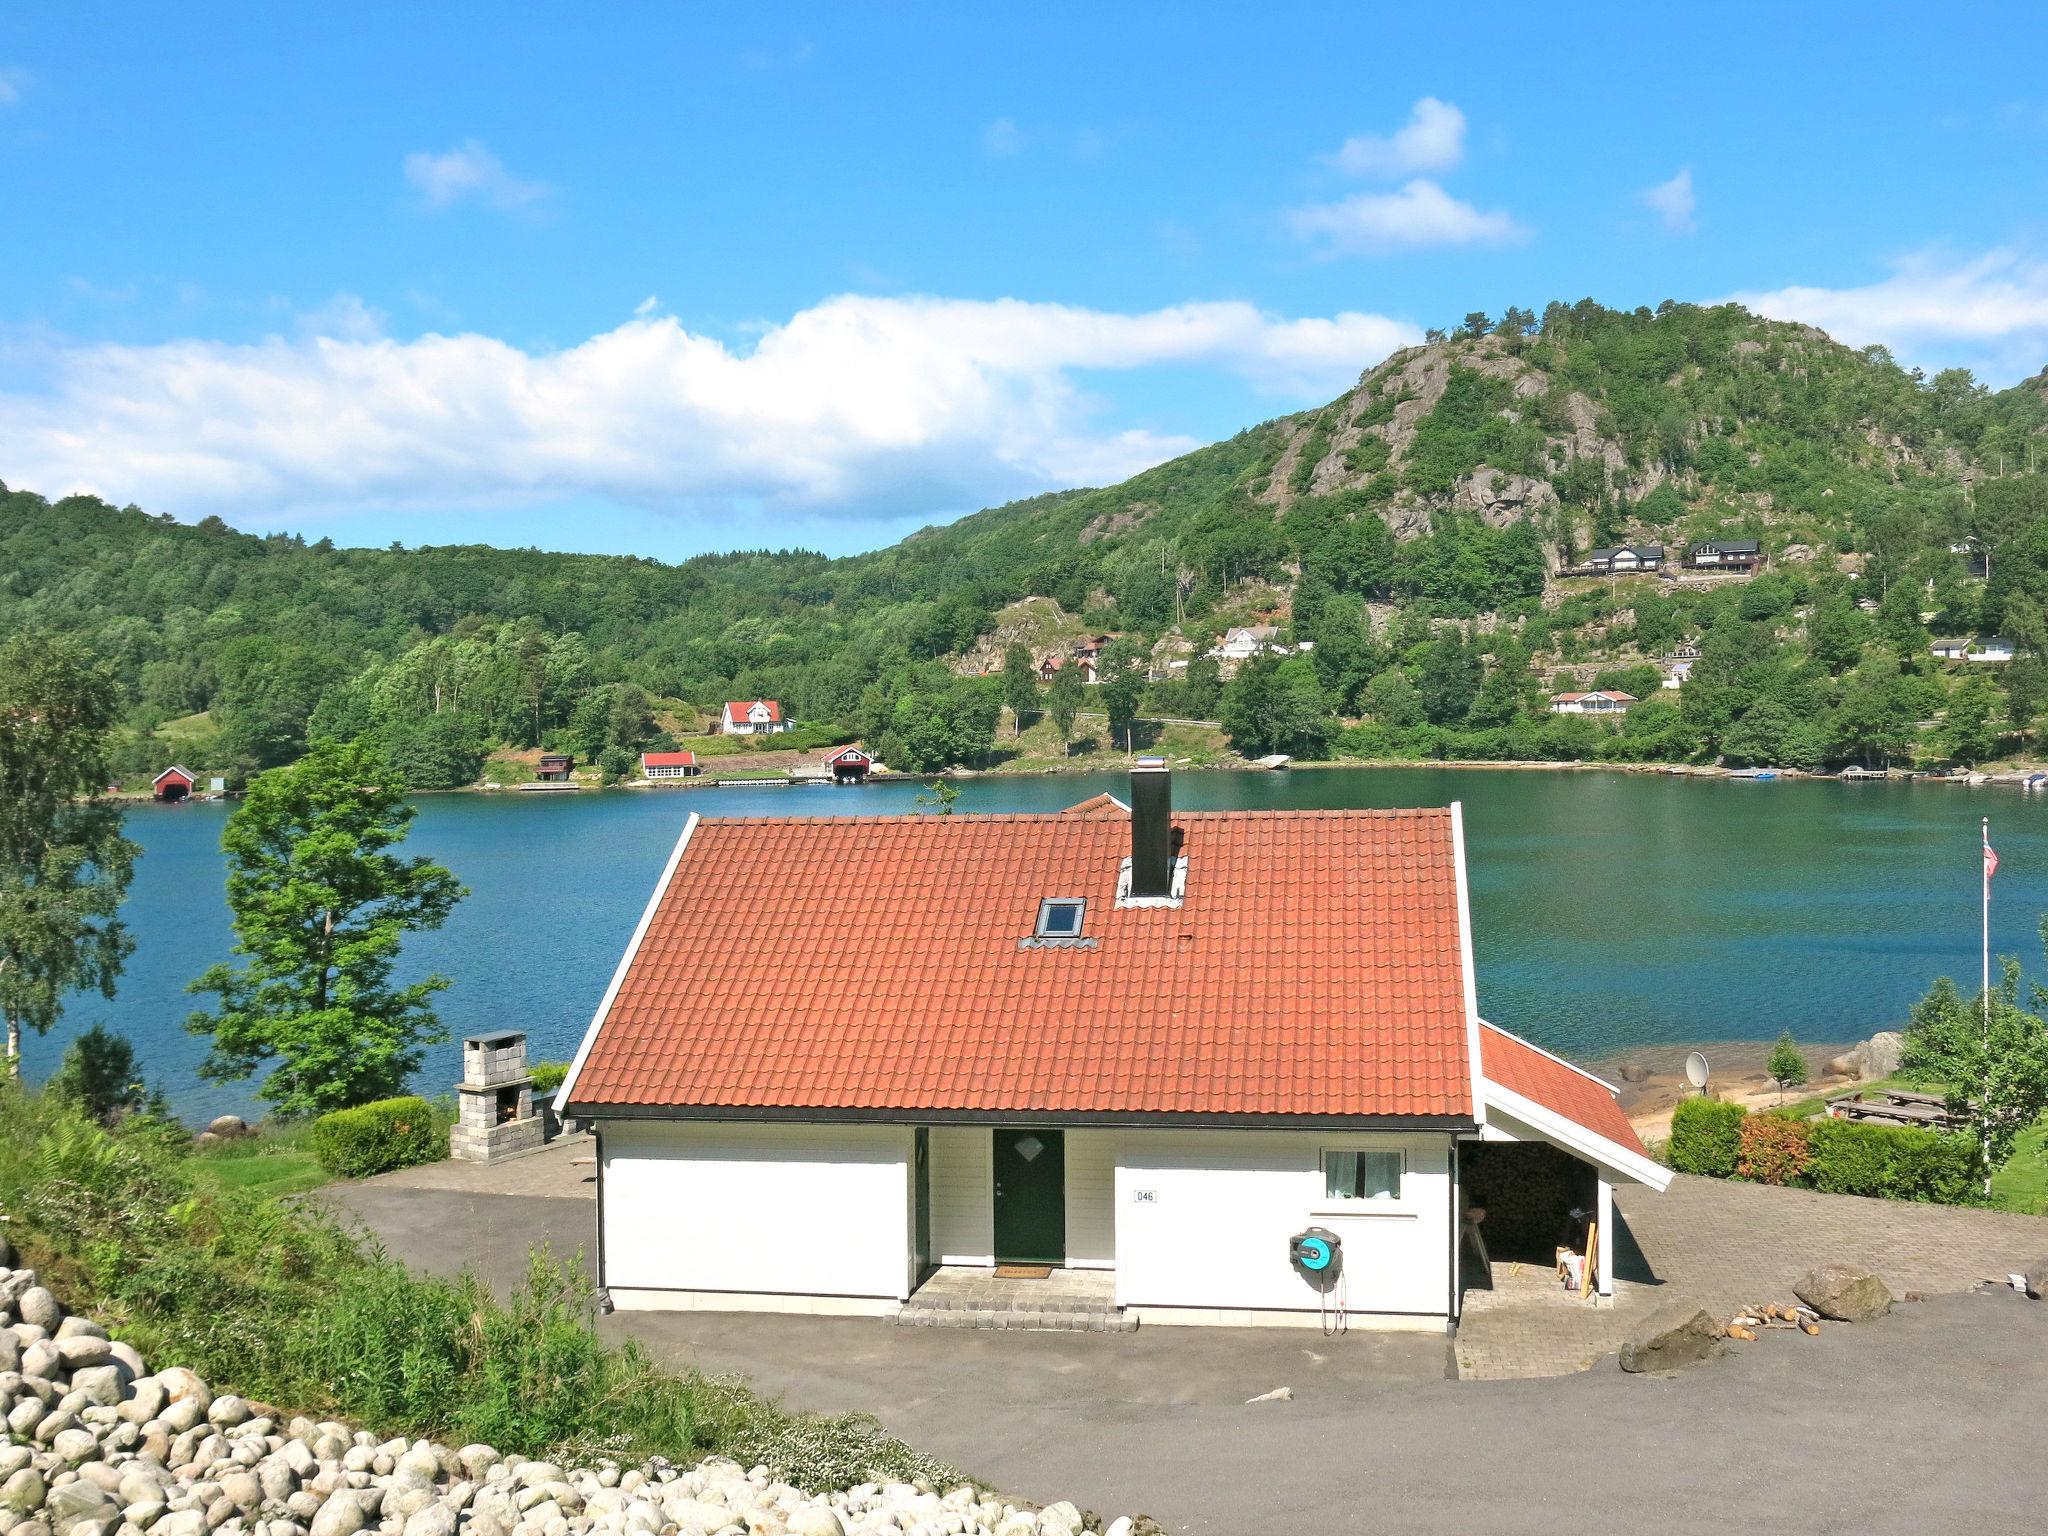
(1626, 558)
(172, 785)
(1985, 648)
(1726, 555)
(1245, 642)
(1685, 650)
(669, 765)
(1050, 665)
(1596, 702)
(753, 717)
(554, 768)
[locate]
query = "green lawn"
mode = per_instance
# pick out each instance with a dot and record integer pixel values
(1039, 747)
(2021, 1185)
(274, 1161)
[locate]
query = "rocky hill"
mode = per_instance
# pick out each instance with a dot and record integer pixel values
(1455, 481)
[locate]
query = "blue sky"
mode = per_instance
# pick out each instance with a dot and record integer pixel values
(666, 278)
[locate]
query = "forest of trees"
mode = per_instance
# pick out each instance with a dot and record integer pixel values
(1439, 641)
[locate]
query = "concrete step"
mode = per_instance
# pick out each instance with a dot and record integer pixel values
(993, 1319)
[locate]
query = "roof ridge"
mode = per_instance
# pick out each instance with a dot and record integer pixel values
(1061, 816)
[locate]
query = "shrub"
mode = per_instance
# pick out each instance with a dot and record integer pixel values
(273, 1300)
(1706, 1137)
(1772, 1149)
(375, 1138)
(1892, 1162)
(548, 1075)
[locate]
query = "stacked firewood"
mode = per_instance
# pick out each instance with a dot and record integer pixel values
(1750, 1322)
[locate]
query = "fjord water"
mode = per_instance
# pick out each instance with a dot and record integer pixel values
(1611, 910)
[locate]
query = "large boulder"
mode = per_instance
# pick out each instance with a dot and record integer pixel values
(1675, 1335)
(1879, 1056)
(228, 1126)
(1845, 1293)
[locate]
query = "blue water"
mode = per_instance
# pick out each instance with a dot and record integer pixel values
(1611, 910)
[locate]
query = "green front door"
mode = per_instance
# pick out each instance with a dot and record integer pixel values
(1031, 1197)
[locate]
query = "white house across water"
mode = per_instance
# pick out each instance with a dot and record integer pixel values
(841, 1053)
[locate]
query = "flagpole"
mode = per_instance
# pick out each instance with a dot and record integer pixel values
(1986, 862)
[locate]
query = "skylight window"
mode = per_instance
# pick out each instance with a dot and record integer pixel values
(1059, 917)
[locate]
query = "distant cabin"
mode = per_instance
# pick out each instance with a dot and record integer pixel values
(1626, 558)
(172, 785)
(554, 768)
(753, 717)
(1726, 555)
(1596, 702)
(1685, 651)
(1985, 648)
(669, 765)
(1048, 668)
(849, 765)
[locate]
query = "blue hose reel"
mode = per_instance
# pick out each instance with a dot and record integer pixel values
(1314, 1252)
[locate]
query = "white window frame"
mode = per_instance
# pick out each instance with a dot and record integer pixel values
(1080, 906)
(1357, 1204)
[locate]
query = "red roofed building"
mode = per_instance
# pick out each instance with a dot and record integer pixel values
(753, 717)
(668, 765)
(1119, 1040)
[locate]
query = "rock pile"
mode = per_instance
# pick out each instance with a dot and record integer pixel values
(95, 1444)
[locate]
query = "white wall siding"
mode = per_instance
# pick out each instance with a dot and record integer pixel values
(1203, 1217)
(1091, 1199)
(723, 1206)
(963, 1195)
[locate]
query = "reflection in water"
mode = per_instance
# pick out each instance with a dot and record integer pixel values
(1610, 909)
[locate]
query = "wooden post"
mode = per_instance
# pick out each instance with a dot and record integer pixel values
(1605, 1216)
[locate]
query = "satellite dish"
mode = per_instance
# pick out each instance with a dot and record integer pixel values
(1696, 1071)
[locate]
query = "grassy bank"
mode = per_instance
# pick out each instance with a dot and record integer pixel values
(200, 1264)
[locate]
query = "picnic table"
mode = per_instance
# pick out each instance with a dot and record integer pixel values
(1894, 1106)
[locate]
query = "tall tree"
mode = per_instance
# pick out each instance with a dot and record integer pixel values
(320, 908)
(64, 865)
(1020, 683)
(1063, 701)
(1121, 679)
(1992, 1061)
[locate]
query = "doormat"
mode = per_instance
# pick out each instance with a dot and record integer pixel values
(1023, 1271)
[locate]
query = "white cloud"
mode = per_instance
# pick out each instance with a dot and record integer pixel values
(1419, 215)
(1673, 202)
(1003, 137)
(1433, 139)
(857, 406)
(13, 82)
(647, 306)
(471, 171)
(1989, 313)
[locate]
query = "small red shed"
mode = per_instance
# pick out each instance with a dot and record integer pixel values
(172, 785)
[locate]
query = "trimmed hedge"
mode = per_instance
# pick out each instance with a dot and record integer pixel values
(375, 1138)
(1774, 1149)
(1706, 1137)
(1893, 1162)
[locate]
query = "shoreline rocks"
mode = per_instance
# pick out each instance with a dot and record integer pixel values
(100, 1446)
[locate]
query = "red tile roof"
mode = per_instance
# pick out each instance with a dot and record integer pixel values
(1315, 968)
(668, 759)
(1521, 1068)
(738, 709)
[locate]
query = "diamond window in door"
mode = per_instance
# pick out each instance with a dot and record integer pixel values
(1028, 1148)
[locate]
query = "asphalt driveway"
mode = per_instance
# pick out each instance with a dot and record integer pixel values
(1927, 1420)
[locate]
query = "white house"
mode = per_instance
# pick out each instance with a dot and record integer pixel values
(841, 1053)
(1626, 558)
(754, 717)
(1245, 642)
(1599, 701)
(1985, 648)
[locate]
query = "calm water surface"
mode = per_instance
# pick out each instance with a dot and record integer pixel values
(1611, 910)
